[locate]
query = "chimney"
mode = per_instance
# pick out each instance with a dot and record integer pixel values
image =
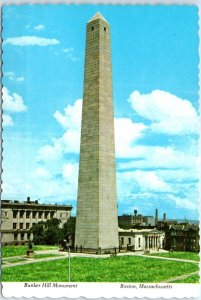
(135, 212)
(156, 217)
(28, 199)
(164, 218)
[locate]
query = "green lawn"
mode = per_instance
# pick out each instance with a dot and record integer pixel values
(115, 269)
(191, 279)
(14, 260)
(180, 255)
(37, 256)
(22, 250)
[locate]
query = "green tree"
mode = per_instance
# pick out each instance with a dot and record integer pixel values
(46, 233)
(38, 231)
(68, 231)
(52, 232)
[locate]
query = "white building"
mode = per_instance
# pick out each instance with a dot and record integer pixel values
(141, 239)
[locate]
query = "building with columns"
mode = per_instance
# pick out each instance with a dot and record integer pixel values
(17, 218)
(141, 239)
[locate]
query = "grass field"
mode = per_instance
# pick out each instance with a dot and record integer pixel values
(13, 260)
(38, 256)
(8, 251)
(115, 269)
(180, 255)
(192, 279)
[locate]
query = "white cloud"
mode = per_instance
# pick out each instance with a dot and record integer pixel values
(145, 180)
(39, 27)
(7, 120)
(11, 76)
(20, 79)
(70, 173)
(71, 119)
(126, 132)
(67, 50)
(160, 157)
(50, 153)
(69, 142)
(69, 53)
(184, 202)
(41, 173)
(30, 41)
(167, 112)
(12, 103)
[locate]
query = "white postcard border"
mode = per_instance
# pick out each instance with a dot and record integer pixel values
(106, 290)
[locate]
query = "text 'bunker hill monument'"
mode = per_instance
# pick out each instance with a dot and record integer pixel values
(96, 222)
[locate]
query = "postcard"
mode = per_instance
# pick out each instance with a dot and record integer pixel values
(100, 182)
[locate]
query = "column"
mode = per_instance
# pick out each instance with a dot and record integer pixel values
(43, 216)
(18, 219)
(24, 219)
(30, 219)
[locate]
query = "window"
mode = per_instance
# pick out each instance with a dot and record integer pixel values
(27, 225)
(15, 214)
(34, 214)
(92, 28)
(129, 241)
(105, 29)
(14, 225)
(52, 214)
(21, 225)
(21, 214)
(40, 214)
(5, 214)
(27, 214)
(22, 236)
(139, 241)
(122, 240)
(28, 236)
(15, 237)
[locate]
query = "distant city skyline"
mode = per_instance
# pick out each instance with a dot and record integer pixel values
(155, 88)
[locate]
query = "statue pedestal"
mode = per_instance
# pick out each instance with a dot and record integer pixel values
(30, 253)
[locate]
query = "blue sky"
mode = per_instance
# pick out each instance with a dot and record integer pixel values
(155, 87)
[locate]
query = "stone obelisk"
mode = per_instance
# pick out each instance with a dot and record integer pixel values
(96, 221)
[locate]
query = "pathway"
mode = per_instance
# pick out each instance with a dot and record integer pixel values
(171, 280)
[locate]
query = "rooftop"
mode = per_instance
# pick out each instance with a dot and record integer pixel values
(139, 230)
(28, 202)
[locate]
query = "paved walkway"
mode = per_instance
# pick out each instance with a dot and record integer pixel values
(173, 279)
(175, 259)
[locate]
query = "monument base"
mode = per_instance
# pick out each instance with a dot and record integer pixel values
(80, 249)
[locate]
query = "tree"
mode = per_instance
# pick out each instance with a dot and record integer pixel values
(46, 233)
(49, 232)
(38, 231)
(68, 231)
(52, 232)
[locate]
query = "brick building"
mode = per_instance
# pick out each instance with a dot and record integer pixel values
(182, 237)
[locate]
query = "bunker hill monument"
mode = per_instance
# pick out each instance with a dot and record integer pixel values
(96, 222)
